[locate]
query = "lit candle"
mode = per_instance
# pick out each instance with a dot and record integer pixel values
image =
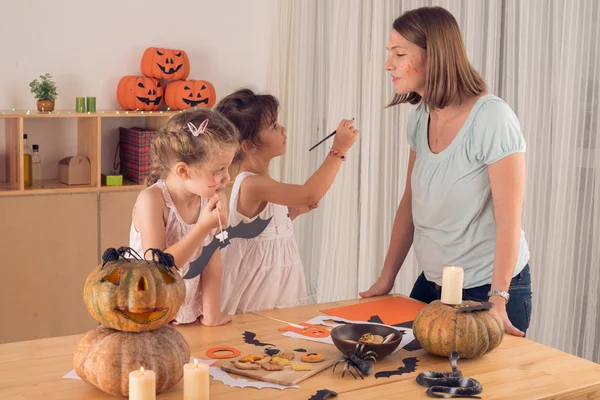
(195, 381)
(142, 385)
(452, 285)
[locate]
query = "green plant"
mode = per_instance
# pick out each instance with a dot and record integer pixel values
(45, 89)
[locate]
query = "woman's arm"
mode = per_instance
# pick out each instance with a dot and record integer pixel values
(400, 242)
(507, 180)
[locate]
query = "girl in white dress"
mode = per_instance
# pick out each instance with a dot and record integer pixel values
(180, 211)
(266, 272)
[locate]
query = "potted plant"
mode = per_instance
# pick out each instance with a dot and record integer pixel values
(45, 92)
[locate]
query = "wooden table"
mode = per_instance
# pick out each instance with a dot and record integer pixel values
(518, 369)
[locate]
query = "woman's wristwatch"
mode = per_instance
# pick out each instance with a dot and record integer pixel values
(500, 293)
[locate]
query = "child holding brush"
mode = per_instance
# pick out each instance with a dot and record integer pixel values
(184, 204)
(266, 272)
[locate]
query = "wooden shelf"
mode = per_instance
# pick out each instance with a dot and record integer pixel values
(73, 114)
(88, 144)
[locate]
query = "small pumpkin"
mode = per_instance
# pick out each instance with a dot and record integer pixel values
(104, 357)
(133, 295)
(139, 93)
(183, 95)
(442, 329)
(163, 63)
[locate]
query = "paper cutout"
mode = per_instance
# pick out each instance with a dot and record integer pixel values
(250, 338)
(410, 365)
(391, 310)
(323, 394)
(73, 375)
(485, 305)
(308, 330)
(241, 231)
(219, 375)
(412, 346)
(300, 350)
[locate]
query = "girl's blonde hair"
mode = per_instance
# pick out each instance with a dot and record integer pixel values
(449, 75)
(177, 143)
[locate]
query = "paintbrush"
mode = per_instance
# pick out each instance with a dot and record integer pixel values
(327, 137)
(283, 322)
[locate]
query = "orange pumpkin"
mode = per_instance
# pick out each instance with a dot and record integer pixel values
(183, 95)
(442, 329)
(104, 357)
(133, 295)
(139, 93)
(165, 63)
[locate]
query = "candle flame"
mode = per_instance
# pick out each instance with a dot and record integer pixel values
(196, 362)
(453, 268)
(142, 369)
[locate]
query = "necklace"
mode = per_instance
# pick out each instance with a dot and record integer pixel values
(443, 126)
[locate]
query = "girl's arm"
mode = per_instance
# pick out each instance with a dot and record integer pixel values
(400, 242)
(263, 188)
(149, 222)
(507, 181)
(210, 281)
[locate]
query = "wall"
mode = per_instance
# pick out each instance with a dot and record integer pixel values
(88, 47)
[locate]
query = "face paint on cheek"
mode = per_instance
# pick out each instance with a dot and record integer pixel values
(214, 181)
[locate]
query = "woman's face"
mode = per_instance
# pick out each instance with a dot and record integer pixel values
(406, 63)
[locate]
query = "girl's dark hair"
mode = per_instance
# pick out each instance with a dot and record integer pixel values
(176, 143)
(449, 75)
(249, 112)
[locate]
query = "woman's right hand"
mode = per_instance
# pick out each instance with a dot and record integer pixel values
(383, 285)
(216, 208)
(345, 136)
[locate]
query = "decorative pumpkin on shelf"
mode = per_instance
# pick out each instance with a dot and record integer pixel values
(104, 357)
(139, 93)
(472, 329)
(183, 95)
(133, 295)
(165, 63)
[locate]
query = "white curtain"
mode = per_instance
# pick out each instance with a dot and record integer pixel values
(541, 56)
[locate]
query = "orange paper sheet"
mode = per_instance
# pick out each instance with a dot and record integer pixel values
(392, 310)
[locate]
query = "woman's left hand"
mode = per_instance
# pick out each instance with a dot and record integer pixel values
(499, 304)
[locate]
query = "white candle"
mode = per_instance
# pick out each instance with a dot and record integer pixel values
(195, 381)
(142, 385)
(452, 285)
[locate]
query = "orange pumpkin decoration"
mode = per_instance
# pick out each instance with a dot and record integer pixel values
(183, 95)
(139, 93)
(165, 63)
(442, 329)
(134, 295)
(104, 357)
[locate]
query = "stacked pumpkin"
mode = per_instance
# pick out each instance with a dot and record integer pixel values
(172, 67)
(134, 300)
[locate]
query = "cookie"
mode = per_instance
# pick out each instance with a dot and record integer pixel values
(287, 355)
(366, 338)
(270, 366)
(281, 361)
(377, 339)
(301, 367)
(266, 359)
(250, 358)
(313, 357)
(245, 365)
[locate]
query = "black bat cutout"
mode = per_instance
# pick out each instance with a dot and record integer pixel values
(250, 338)
(413, 345)
(410, 365)
(323, 394)
(484, 305)
(241, 231)
(300, 350)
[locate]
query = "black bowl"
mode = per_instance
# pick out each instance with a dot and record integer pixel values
(341, 333)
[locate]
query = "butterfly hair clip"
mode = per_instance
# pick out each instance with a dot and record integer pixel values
(199, 130)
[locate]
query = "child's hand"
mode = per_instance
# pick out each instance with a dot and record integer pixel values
(345, 136)
(220, 319)
(216, 208)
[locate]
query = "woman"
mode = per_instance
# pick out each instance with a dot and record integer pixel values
(463, 200)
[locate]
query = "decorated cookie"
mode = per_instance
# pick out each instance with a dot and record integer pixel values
(250, 358)
(265, 359)
(366, 338)
(301, 367)
(271, 366)
(313, 357)
(287, 355)
(271, 351)
(281, 361)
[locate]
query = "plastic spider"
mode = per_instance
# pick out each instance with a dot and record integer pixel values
(359, 360)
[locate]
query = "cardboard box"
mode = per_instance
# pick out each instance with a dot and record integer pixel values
(74, 170)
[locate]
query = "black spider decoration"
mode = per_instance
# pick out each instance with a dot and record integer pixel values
(359, 360)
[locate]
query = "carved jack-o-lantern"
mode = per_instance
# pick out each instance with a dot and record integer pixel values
(139, 93)
(183, 95)
(165, 63)
(134, 295)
